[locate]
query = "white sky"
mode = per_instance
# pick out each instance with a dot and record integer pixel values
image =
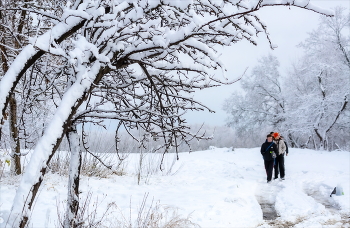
(287, 28)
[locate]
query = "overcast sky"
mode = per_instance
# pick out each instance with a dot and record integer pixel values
(287, 28)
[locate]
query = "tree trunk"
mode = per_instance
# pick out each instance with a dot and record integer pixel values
(291, 140)
(321, 138)
(21, 208)
(73, 182)
(15, 143)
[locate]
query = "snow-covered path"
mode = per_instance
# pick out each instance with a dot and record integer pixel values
(217, 188)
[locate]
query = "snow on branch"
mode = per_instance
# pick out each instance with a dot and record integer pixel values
(38, 12)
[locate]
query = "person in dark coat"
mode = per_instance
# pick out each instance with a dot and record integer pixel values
(269, 151)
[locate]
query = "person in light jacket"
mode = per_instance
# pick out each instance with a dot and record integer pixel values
(279, 160)
(285, 142)
(268, 150)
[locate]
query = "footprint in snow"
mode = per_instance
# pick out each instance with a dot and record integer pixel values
(266, 197)
(320, 193)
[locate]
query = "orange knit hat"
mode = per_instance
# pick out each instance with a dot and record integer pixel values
(276, 134)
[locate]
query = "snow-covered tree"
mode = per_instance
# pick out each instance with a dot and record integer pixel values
(262, 105)
(133, 61)
(317, 87)
(11, 38)
(17, 24)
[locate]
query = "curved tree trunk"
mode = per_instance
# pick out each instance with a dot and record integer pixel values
(49, 143)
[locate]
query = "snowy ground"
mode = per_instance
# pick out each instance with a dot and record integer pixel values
(216, 188)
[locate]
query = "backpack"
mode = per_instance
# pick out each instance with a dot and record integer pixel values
(273, 154)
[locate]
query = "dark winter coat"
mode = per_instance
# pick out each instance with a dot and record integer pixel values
(267, 154)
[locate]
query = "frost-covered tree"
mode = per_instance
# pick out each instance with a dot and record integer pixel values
(317, 88)
(20, 20)
(262, 105)
(133, 61)
(310, 105)
(11, 39)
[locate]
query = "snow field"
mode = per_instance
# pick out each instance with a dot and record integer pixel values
(215, 188)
